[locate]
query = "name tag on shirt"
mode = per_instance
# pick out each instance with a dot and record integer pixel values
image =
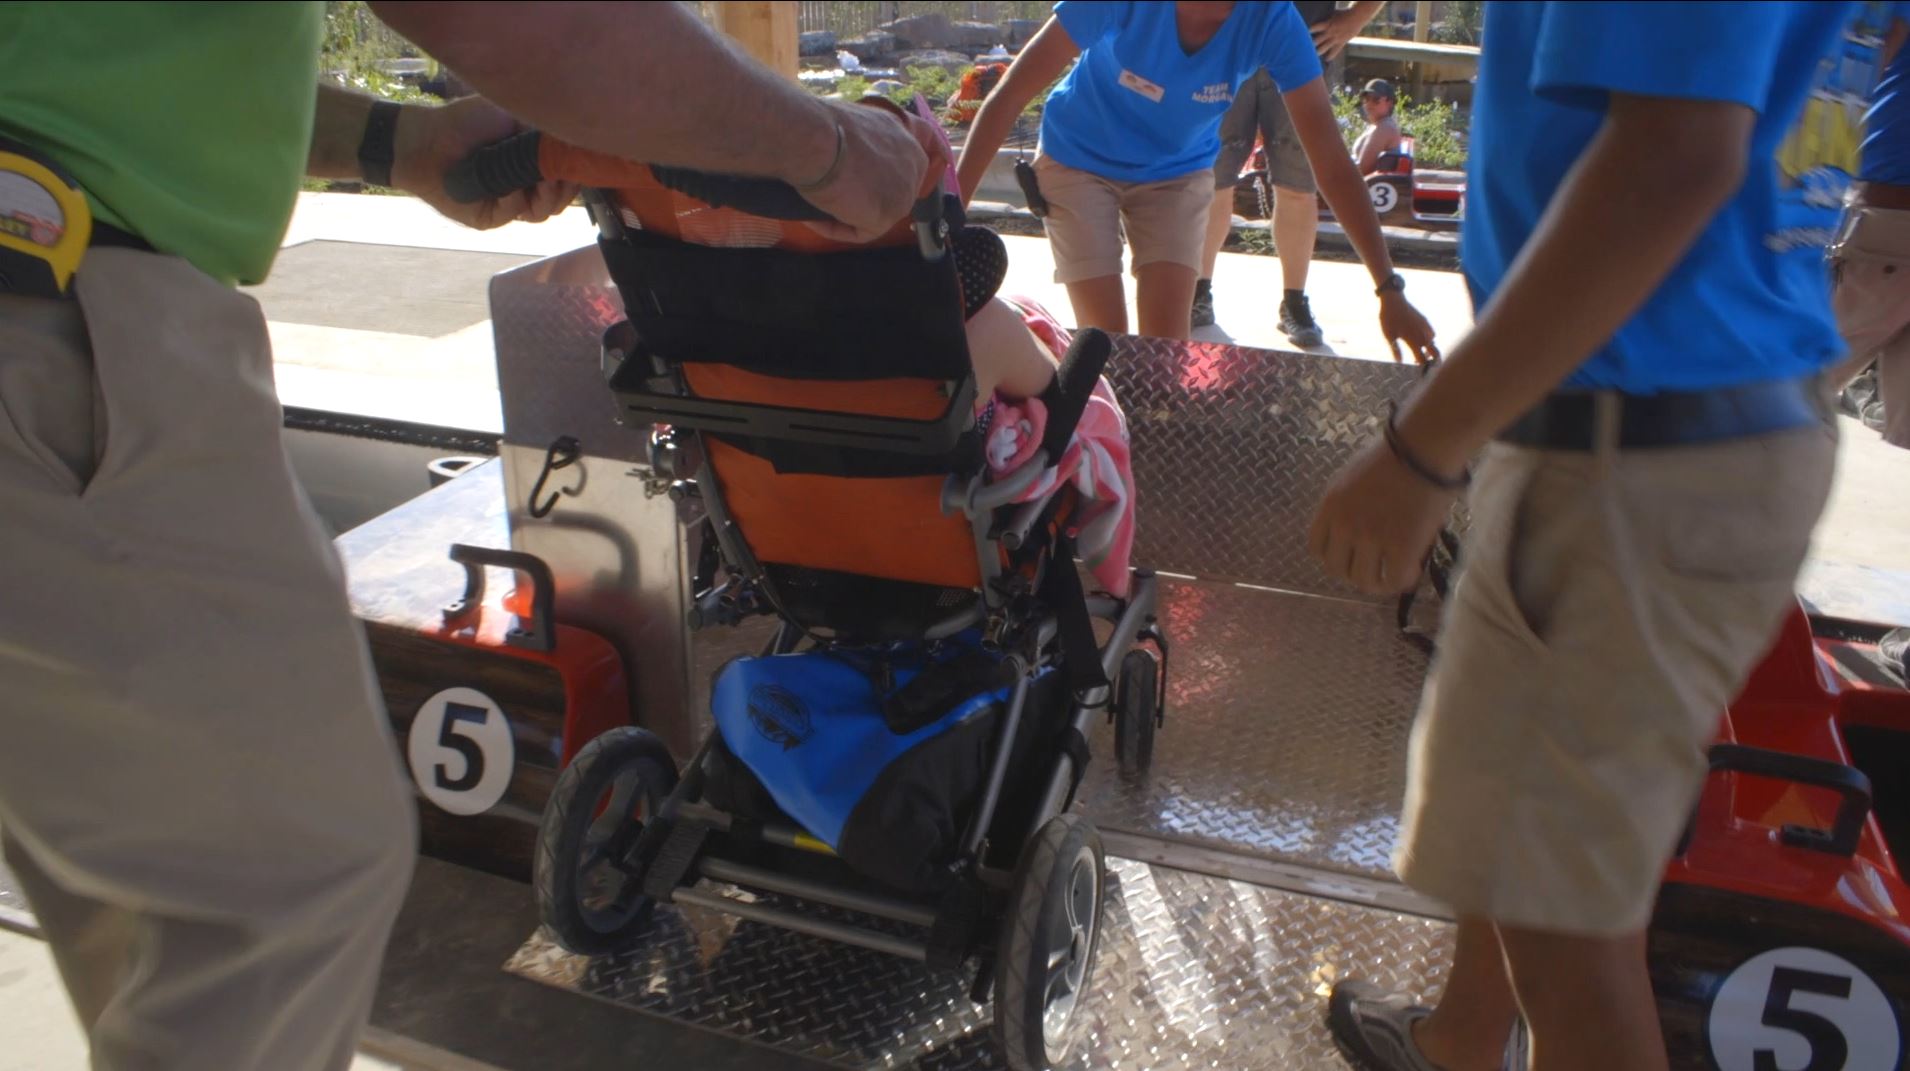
(1142, 86)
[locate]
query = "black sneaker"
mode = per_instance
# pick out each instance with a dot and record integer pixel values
(1203, 307)
(1296, 320)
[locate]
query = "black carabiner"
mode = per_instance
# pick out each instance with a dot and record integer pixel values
(563, 453)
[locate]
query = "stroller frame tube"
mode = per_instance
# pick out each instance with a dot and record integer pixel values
(814, 927)
(1127, 629)
(819, 892)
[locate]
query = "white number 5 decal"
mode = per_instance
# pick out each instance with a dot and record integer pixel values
(1802, 1009)
(461, 751)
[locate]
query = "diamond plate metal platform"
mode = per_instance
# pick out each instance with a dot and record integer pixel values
(1195, 972)
(1286, 730)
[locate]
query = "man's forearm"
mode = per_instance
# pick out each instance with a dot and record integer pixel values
(642, 81)
(1628, 211)
(338, 126)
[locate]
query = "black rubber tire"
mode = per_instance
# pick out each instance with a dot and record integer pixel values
(1136, 706)
(572, 825)
(1064, 853)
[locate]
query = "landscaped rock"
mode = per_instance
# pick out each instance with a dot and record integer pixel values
(1018, 32)
(816, 43)
(952, 62)
(872, 45)
(936, 31)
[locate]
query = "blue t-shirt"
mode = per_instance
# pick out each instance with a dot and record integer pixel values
(1751, 299)
(1886, 148)
(1138, 108)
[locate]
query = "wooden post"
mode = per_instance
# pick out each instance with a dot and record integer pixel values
(765, 28)
(1422, 20)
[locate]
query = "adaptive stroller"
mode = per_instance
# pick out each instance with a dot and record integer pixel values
(895, 770)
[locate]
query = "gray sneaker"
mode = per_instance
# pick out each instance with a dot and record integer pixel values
(1374, 1031)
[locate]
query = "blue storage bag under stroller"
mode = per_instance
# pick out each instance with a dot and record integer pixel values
(844, 745)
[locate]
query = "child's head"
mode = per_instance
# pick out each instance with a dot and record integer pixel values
(1377, 99)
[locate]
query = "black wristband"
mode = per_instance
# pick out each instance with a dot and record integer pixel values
(379, 146)
(1395, 281)
(1418, 467)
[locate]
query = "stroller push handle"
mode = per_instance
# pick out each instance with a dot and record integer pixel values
(518, 162)
(504, 167)
(1073, 388)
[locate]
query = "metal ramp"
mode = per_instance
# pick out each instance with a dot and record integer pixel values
(1250, 866)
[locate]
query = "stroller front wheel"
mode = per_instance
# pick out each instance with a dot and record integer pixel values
(587, 894)
(1049, 943)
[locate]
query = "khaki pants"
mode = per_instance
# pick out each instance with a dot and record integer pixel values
(197, 783)
(1613, 602)
(1871, 261)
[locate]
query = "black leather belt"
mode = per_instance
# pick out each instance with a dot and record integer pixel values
(1568, 420)
(107, 234)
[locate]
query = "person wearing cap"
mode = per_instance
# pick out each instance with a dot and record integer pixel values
(1381, 135)
(1258, 109)
(1128, 142)
(1646, 395)
(199, 790)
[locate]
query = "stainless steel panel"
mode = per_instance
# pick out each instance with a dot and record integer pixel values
(1195, 972)
(614, 543)
(1232, 448)
(1287, 718)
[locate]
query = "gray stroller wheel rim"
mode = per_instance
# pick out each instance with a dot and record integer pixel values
(1070, 950)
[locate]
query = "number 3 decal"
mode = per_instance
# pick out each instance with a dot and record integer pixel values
(1802, 1009)
(461, 751)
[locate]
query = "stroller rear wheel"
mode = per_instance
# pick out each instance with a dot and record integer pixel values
(1049, 942)
(587, 893)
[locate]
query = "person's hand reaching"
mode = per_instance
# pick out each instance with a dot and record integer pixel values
(429, 141)
(884, 166)
(1401, 323)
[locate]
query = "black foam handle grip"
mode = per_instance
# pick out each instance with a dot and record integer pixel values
(763, 197)
(496, 170)
(1073, 387)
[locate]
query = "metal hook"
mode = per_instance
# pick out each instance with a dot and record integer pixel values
(563, 453)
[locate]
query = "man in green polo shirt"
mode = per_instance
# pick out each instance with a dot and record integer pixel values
(198, 792)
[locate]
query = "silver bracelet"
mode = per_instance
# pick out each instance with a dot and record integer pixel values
(834, 165)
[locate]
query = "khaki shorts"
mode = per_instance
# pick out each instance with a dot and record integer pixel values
(1871, 262)
(1088, 214)
(1612, 604)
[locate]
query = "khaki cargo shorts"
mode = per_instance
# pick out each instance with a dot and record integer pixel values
(1612, 603)
(1087, 215)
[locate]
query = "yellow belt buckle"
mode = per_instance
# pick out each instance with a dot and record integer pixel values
(45, 225)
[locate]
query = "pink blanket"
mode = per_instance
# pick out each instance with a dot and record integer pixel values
(1096, 461)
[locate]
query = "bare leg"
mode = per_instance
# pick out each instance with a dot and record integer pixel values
(1007, 356)
(1102, 302)
(1587, 1001)
(1296, 223)
(1220, 218)
(1468, 1029)
(1166, 297)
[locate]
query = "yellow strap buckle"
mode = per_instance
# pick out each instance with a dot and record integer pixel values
(45, 225)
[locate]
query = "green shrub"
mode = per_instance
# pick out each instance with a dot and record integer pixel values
(1435, 129)
(935, 83)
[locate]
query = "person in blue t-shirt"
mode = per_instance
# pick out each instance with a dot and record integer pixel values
(1870, 259)
(1128, 141)
(1646, 387)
